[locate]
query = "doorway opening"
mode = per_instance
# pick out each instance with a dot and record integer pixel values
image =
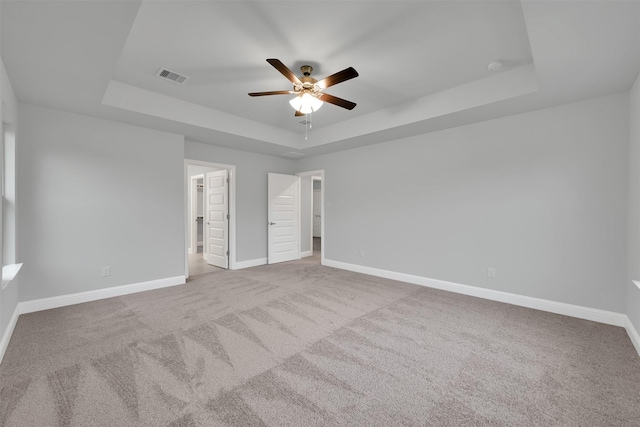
(316, 213)
(312, 212)
(210, 234)
(196, 224)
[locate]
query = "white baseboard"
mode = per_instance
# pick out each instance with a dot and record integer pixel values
(80, 297)
(633, 335)
(306, 254)
(594, 314)
(249, 263)
(8, 332)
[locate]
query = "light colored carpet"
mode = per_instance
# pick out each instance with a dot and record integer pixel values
(300, 344)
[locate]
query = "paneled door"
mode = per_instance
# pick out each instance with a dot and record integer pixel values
(217, 218)
(283, 218)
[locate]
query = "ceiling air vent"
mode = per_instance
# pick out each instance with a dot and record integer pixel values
(292, 155)
(171, 75)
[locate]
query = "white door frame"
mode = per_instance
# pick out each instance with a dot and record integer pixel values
(193, 207)
(322, 210)
(232, 210)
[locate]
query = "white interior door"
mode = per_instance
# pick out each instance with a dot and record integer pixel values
(283, 218)
(317, 213)
(193, 221)
(217, 218)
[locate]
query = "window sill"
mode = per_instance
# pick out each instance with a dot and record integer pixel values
(9, 273)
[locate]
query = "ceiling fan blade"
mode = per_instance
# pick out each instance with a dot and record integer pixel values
(273, 92)
(337, 101)
(339, 77)
(284, 70)
(298, 113)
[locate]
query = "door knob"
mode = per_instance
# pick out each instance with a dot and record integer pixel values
(272, 223)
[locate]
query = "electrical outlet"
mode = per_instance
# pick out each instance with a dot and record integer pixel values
(361, 252)
(106, 271)
(491, 272)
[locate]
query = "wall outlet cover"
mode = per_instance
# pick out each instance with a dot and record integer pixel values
(106, 271)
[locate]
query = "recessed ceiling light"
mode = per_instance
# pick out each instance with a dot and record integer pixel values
(495, 65)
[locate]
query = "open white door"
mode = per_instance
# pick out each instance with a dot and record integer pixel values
(283, 218)
(217, 218)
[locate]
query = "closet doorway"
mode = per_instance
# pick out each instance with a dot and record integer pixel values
(196, 225)
(312, 210)
(316, 211)
(209, 217)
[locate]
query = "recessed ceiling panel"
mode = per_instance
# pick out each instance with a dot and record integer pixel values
(403, 51)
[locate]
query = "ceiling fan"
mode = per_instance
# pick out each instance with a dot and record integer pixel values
(309, 91)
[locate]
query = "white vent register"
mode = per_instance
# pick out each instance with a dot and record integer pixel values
(171, 75)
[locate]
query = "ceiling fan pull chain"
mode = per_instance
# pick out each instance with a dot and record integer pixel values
(308, 126)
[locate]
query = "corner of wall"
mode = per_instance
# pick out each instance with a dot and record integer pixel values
(633, 212)
(9, 296)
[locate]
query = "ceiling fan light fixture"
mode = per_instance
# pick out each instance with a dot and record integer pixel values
(306, 103)
(310, 92)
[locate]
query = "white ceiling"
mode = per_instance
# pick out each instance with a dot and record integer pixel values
(422, 64)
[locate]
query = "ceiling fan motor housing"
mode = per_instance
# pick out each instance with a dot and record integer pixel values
(308, 82)
(306, 70)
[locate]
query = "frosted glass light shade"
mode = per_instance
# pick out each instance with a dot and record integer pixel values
(306, 103)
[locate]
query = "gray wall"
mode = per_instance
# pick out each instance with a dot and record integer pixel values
(251, 192)
(93, 193)
(633, 263)
(541, 197)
